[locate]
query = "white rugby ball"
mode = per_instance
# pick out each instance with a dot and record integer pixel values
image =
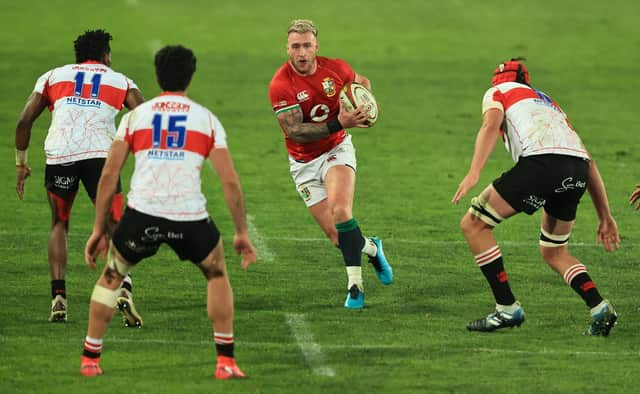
(354, 94)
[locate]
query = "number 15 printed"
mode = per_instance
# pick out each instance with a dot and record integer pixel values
(176, 134)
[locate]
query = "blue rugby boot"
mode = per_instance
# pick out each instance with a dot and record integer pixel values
(355, 298)
(604, 318)
(498, 319)
(380, 263)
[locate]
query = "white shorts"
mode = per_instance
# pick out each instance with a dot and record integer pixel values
(309, 177)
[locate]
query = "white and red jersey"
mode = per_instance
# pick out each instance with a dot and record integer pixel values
(84, 100)
(534, 124)
(170, 136)
(317, 96)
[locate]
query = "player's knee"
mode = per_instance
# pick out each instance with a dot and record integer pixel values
(553, 246)
(480, 215)
(105, 296)
(116, 264)
(212, 267)
(341, 213)
(471, 225)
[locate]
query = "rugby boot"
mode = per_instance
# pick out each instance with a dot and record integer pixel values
(227, 369)
(603, 320)
(130, 316)
(498, 319)
(90, 366)
(355, 298)
(58, 310)
(380, 263)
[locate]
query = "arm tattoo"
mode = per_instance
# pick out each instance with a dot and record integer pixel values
(299, 131)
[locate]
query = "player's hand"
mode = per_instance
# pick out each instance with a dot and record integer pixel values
(22, 173)
(359, 117)
(96, 245)
(607, 234)
(633, 199)
(242, 245)
(467, 184)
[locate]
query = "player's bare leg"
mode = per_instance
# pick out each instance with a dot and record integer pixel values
(322, 214)
(102, 310)
(130, 315)
(488, 210)
(554, 249)
(220, 312)
(340, 183)
(57, 256)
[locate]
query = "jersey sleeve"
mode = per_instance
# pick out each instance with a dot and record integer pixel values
(218, 132)
(344, 70)
(131, 84)
(42, 84)
(493, 98)
(282, 100)
(122, 134)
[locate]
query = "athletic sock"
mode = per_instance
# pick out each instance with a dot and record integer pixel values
(369, 248)
(127, 284)
(355, 277)
(92, 347)
(58, 287)
(577, 277)
(224, 344)
(491, 265)
(351, 241)
(508, 308)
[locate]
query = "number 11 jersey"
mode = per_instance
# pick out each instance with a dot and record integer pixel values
(84, 100)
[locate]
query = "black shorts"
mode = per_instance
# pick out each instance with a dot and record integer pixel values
(139, 235)
(63, 180)
(555, 182)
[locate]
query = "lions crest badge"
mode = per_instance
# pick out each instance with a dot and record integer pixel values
(329, 86)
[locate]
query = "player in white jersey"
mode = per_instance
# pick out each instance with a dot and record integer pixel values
(84, 99)
(553, 169)
(170, 137)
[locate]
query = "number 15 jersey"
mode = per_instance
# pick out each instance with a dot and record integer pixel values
(170, 137)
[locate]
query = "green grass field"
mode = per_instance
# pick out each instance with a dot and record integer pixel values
(429, 63)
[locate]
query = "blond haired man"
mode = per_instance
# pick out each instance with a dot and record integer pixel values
(304, 95)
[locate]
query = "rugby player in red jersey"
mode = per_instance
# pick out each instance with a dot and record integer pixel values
(304, 95)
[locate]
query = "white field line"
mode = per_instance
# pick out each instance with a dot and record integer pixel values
(279, 345)
(448, 242)
(310, 349)
(533, 243)
(264, 254)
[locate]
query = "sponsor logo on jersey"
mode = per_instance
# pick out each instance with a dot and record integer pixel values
(329, 87)
(89, 68)
(83, 102)
(159, 154)
(170, 106)
(302, 96)
(319, 113)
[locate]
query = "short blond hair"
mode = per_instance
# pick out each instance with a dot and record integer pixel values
(302, 26)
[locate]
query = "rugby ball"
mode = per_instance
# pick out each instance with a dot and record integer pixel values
(354, 94)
